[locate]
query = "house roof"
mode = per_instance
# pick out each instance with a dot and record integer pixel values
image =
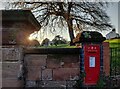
(20, 15)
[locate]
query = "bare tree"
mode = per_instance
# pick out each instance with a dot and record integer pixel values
(52, 13)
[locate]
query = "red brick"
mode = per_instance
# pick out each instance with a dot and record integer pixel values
(105, 44)
(106, 58)
(65, 74)
(106, 48)
(10, 70)
(106, 65)
(33, 73)
(36, 60)
(47, 74)
(107, 51)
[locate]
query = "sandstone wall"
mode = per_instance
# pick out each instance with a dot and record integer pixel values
(11, 62)
(43, 70)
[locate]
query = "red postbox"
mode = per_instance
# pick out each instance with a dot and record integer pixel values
(91, 63)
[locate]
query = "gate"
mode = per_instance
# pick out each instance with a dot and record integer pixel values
(115, 61)
(115, 67)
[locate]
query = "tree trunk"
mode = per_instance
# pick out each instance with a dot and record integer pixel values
(71, 33)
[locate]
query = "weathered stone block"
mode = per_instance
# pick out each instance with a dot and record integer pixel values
(61, 60)
(0, 85)
(70, 84)
(11, 54)
(31, 84)
(0, 54)
(72, 65)
(12, 83)
(35, 60)
(10, 70)
(52, 84)
(118, 81)
(53, 63)
(33, 73)
(66, 74)
(47, 74)
(0, 74)
(70, 58)
(0, 65)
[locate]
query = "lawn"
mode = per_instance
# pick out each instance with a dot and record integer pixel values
(59, 46)
(114, 43)
(113, 40)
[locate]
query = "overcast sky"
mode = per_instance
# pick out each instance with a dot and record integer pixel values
(112, 12)
(119, 18)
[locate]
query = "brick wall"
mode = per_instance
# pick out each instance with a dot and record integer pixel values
(46, 69)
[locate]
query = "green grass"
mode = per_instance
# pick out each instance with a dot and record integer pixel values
(114, 43)
(113, 40)
(59, 46)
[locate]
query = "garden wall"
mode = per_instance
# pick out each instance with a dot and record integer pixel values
(43, 67)
(52, 70)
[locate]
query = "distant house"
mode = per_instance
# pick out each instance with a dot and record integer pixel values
(112, 34)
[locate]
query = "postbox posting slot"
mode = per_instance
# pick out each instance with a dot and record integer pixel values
(92, 51)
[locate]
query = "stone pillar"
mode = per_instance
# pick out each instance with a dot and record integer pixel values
(11, 66)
